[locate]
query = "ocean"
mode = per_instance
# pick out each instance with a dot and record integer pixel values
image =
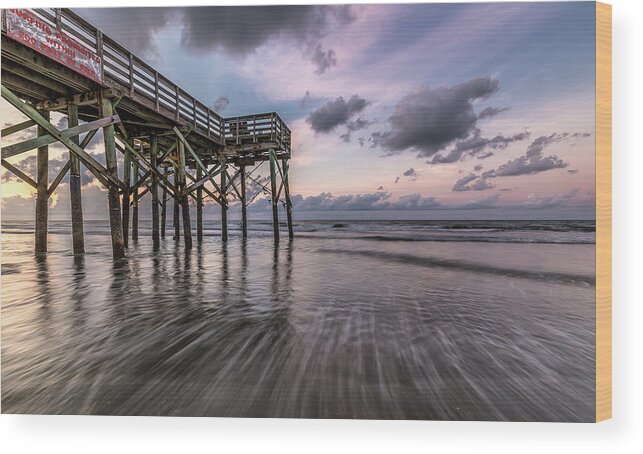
(449, 320)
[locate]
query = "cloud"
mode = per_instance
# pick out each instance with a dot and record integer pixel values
(410, 173)
(472, 182)
(535, 201)
(324, 60)
(335, 113)
(429, 120)
(117, 23)
(328, 202)
(355, 125)
(381, 200)
(478, 168)
(532, 161)
(491, 112)
(415, 202)
(304, 100)
(221, 104)
(486, 202)
(475, 144)
(238, 31)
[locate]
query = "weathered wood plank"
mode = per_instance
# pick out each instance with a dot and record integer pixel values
(94, 166)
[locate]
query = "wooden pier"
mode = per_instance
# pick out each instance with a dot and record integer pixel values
(174, 147)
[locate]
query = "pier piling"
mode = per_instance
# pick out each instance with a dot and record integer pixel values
(42, 195)
(164, 208)
(224, 201)
(244, 214)
(115, 220)
(77, 229)
(199, 207)
(156, 241)
(274, 195)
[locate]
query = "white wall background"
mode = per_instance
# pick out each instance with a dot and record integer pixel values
(624, 433)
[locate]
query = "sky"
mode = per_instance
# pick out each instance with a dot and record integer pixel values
(436, 111)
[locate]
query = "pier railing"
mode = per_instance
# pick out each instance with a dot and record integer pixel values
(122, 69)
(267, 128)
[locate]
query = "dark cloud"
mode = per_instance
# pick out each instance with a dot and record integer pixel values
(397, 179)
(532, 161)
(324, 60)
(572, 171)
(475, 144)
(410, 173)
(238, 31)
(118, 22)
(355, 125)
(429, 120)
(491, 112)
(381, 188)
(335, 113)
(304, 100)
(478, 168)
(241, 30)
(221, 104)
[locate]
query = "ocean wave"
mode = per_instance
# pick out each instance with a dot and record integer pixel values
(432, 262)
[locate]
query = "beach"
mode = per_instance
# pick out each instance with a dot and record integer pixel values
(453, 320)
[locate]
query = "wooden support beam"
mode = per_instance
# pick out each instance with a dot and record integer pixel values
(115, 219)
(273, 194)
(35, 77)
(185, 206)
(199, 207)
(224, 206)
(199, 182)
(154, 145)
(164, 208)
(127, 179)
(67, 165)
(138, 158)
(102, 174)
(17, 128)
(42, 196)
(176, 220)
(244, 216)
(20, 174)
(285, 166)
(89, 98)
(59, 178)
(184, 141)
(77, 229)
(135, 204)
(26, 87)
(40, 141)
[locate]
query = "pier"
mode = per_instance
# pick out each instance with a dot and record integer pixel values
(174, 148)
